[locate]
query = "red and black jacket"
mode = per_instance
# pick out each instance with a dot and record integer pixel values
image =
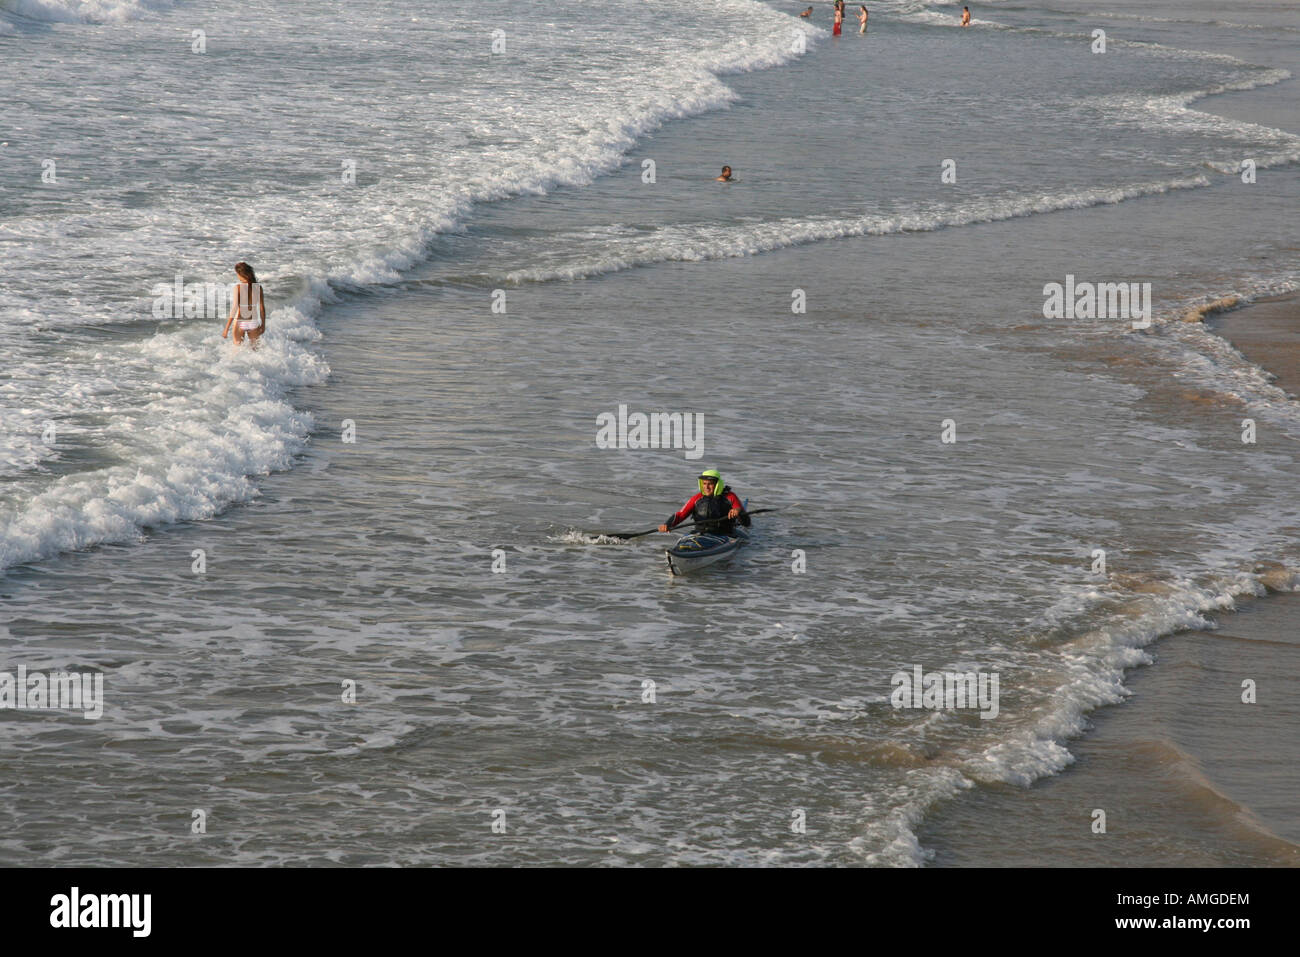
(712, 509)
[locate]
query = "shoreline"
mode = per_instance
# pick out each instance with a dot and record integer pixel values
(1187, 773)
(1266, 332)
(515, 687)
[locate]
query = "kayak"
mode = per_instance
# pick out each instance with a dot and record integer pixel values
(701, 549)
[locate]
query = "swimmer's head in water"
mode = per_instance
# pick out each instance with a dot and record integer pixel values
(245, 272)
(726, 171)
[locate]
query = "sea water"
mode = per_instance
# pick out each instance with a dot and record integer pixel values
(344, 589)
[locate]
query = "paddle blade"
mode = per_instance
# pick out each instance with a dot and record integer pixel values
(649, 531)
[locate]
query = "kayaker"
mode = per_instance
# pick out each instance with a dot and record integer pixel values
(715, 504)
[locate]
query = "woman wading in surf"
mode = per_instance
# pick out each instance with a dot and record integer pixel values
(246, 302)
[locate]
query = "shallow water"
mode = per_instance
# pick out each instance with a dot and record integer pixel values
(474, 435)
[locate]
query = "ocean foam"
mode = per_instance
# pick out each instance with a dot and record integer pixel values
(1095, 664)
(189, 451)
(711, 241)
(82, 11)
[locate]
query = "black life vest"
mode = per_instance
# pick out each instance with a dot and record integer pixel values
(713, 509)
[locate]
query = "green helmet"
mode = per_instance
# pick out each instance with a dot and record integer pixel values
(719, 485)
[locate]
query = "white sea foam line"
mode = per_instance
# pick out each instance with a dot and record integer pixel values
(661, 95)
(710, 241)
(1216, 361)
(1096, 668)
(82, 11)
(1230, 24)
(1094, 665)
(205, 474)
(1175, 114)
(235, 423)
(919, 13)
(889, 834)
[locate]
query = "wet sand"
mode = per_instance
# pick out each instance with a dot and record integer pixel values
(1187, 773)
(1268, 334)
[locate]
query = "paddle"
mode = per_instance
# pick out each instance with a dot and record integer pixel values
(651, 531)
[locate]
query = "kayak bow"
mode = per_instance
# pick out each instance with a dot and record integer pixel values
(701, 549)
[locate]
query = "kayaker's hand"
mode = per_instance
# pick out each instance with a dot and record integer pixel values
(663, 528)
(733, 513)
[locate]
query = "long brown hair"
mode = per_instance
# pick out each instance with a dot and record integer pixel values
(245, 271)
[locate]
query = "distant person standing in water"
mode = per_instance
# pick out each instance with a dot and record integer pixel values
(726, 175)
(839, 19)
(862, 19)
(965, 16)
(246, 303)
(807, 13)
